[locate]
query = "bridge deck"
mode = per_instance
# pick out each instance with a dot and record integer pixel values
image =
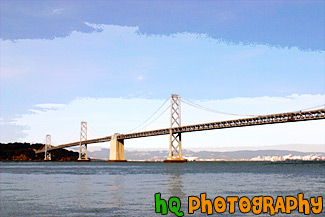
(258, 120)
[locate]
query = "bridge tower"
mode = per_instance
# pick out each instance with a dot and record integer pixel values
(47, 145)
(83, 147)
(175, 139)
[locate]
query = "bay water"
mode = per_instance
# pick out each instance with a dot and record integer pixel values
(128, 189)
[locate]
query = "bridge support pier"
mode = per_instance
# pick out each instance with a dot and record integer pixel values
(116, 153)
(175, 139)
(47, 154)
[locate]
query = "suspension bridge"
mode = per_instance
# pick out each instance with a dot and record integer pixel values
(176, 129)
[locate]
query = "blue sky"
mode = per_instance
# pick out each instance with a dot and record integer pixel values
(55, 54)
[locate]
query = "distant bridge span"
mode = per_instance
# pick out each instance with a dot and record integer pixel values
(258, 120)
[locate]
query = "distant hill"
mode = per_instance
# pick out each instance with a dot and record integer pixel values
(212, 155)
(25, 152)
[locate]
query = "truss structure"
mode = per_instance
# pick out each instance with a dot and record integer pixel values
(175, 139)
(83, 145)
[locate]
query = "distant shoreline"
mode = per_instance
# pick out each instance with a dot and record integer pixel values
(26, 152)
(149, 161)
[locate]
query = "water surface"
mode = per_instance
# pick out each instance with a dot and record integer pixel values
(127, 189)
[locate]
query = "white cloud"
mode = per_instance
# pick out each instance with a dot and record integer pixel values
(139, 78)
(57, 11)
(49, 105)
(106, 116)
(35, 111)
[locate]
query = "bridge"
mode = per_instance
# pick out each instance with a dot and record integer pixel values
(175, 131)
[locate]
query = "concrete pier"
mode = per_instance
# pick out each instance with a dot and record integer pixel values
(116, 153)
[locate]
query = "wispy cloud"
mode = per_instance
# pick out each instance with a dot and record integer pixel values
(50, 106)
(140, 78)
(57, 11)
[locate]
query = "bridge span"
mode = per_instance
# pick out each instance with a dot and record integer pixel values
(117, 140)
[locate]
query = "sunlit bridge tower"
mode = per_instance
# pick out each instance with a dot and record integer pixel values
(175, 138)
(47, 145)
(83, 147)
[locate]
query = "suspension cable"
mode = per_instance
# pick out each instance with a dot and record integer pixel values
(190, 103)
(93, 131)
(53, 142)
(312, 107)
(155, 118)
(150, 116)
(75, 136)
(44, 141)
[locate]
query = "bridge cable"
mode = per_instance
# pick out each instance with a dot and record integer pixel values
(312, 108)
(53, 142)
(93, 131)
(44, 143)
(155, 118)
(76, 136)
(211, 110)
(150, 116)
(219, 112)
